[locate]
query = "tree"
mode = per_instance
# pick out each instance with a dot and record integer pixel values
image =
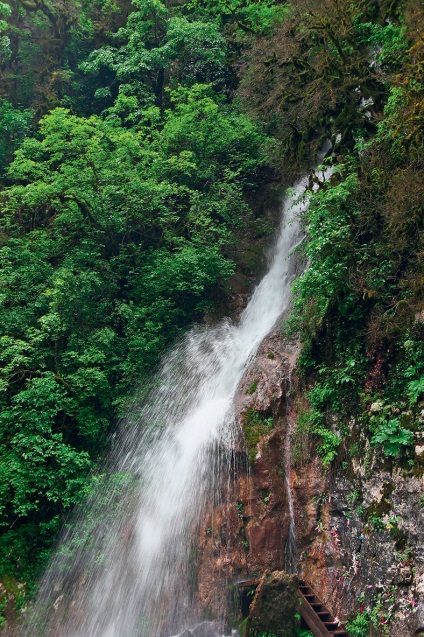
(114, 240)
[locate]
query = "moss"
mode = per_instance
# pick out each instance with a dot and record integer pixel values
(265, 495)
(301, 441)
(12, 598)
(378, 509)
(418, 468)
(255, 426)
(387, 489)
(400, 537)
(354, 449)
(273, 610)
(253, 387)
(243, 627)
(407, 421)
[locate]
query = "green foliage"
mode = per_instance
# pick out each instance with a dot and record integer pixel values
(330, 248)
(5, 52)
(377, 617)
(359, 625)
(404, 388)
(245, 15)
(44, 42)
(158, 50)
(392, 437)
(376, 522)
(252, 387)
(387, 43)
(356, 301)
(415, 389)
(413, 370)
(329, 441)
(114, 240)
(121, 215)
(255, 426)
(331, 401)
(354, 497)
(301, 632)
(14, 125)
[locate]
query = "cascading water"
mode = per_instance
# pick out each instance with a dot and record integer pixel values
(124, 571)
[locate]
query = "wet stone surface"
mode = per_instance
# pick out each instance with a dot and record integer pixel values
(204, 629)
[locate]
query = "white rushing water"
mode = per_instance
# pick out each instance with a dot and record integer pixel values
(125, 570)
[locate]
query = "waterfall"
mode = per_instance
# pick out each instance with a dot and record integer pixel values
(124, 570)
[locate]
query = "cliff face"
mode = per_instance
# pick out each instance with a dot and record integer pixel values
(361, 540)
(359, 524)
(247, 534)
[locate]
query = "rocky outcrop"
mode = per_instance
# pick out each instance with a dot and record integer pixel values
(367, 550)
(10, 592)
(359, 524)
(204, 629)
(274, 606)
(247, 535)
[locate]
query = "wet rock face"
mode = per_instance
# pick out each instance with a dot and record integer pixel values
(264, 385)
(9, 591)
(204, 629)
(274, 606)
(263, 411)
(246, 535)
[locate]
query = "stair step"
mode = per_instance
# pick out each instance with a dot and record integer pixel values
(325, 617)
(321, 618)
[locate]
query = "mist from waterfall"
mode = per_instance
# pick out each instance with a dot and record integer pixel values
(125, 567)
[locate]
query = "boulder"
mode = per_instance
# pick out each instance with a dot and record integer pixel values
(274, 606)
(206, 629)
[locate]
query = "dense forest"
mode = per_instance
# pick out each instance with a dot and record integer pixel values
(136, 142)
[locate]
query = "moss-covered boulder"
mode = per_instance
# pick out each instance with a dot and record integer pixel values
(274, 606)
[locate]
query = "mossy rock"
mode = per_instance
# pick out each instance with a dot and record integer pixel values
(274, 606)
(255, 426)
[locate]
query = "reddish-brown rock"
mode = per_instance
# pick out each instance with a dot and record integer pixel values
(340, 553)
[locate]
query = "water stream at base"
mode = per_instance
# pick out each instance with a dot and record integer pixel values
(125, 569)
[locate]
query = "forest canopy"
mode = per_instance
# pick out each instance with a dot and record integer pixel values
(135, 140)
